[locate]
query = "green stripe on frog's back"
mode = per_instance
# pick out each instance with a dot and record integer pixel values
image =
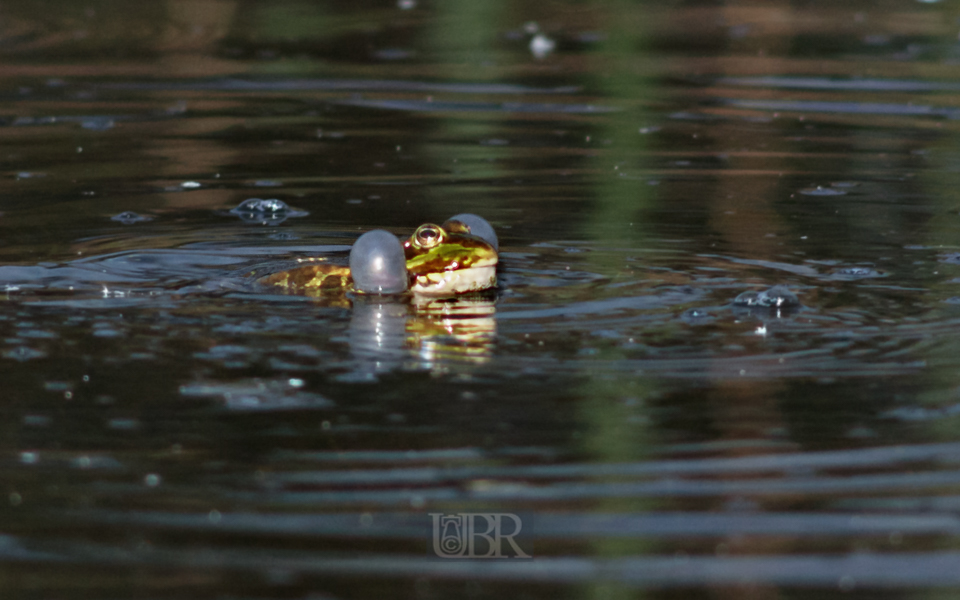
(453, 254)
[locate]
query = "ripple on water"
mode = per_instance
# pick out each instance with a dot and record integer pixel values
(130, 217)
(258, 395)
(778, 296)
(696, 316)
(270, 211)
(823, 191)
(854, 273)
(24, 353)
(229, 355)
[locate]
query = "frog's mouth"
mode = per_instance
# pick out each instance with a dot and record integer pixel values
(457, 281)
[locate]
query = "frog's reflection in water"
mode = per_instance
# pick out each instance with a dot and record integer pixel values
(423, 333)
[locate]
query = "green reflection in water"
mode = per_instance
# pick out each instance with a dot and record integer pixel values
(617, 427)
(938, 182)
(463, 38)
(464, 34)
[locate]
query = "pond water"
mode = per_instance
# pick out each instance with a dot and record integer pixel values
(170, 429)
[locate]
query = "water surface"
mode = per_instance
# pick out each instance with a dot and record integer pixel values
(170, 429)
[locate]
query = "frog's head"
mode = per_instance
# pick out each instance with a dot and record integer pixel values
(449, 260)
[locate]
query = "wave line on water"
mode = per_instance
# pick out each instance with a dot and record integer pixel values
(849, 571)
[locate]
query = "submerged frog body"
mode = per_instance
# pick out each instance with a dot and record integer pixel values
(436, 260)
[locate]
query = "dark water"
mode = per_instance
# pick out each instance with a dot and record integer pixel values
(170, 430)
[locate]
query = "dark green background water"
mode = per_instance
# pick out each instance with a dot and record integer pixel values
(170, 430)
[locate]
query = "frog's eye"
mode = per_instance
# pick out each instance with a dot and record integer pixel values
(428, 236)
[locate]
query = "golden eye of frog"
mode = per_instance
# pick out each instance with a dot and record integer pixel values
(440, 260)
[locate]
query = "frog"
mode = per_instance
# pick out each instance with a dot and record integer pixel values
(458, 257)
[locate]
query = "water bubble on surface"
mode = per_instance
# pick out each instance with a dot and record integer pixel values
(479, 227)
(377, 263)
(778, 296)
(267, 183)
(270, 211)
(541, 46)
(190, 185)
(152, 480)
(822, 191)
(129, 218)
(29, 458)
(261, 206)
